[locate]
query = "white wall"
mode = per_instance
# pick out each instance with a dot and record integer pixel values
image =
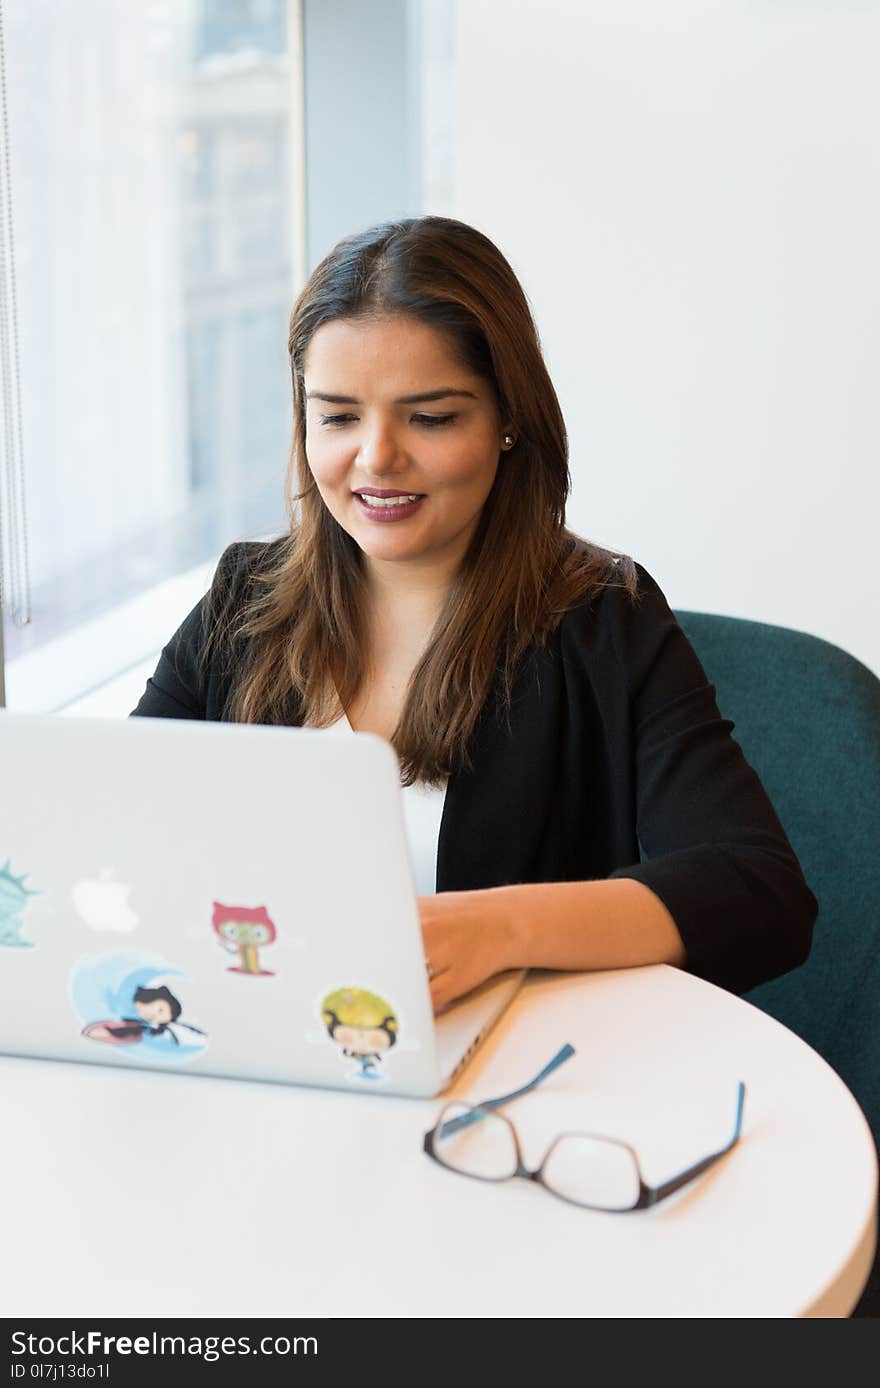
(690, 192)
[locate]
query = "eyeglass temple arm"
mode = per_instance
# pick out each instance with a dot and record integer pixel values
(676, 1182)
(464, 1120)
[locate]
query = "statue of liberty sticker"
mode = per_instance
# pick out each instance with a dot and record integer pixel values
(364, 1027)
(13, 902)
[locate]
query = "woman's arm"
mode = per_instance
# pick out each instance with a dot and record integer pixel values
(614, 924)
(712, 847)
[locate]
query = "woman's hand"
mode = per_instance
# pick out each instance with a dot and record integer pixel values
(468, 937)
(613, 924)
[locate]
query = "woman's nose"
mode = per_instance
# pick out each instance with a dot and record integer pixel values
(380, 448)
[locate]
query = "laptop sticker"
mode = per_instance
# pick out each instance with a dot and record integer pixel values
(123, 1000)
(364, 1027)
(243, 931)
(102, 903)
(13, 900)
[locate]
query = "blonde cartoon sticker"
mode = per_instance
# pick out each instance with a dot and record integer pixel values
(364, 1027)
(13, 900)
(122, 1000)
(243, 931)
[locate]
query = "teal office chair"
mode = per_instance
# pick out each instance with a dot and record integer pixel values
(807, 716)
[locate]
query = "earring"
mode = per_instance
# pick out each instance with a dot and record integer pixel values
(508, 440)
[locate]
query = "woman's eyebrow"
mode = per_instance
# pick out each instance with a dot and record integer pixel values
(443, 394)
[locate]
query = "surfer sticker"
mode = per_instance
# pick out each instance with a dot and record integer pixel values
(123, 1000)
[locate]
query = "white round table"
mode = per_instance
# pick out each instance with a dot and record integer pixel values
(139, 1194)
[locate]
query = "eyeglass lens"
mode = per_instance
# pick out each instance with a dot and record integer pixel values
(588, 1170)
(482, 1145)
(592, 1171)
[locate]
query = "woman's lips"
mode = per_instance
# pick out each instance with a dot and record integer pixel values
(396, 512)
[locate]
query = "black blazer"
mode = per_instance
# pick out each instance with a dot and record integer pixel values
(616, 763)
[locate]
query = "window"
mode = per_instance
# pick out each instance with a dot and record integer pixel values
(184, 164)
(157, 227)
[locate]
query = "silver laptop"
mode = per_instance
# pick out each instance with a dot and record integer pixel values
(218, 899)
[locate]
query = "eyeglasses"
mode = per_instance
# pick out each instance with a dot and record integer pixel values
(586, 1169)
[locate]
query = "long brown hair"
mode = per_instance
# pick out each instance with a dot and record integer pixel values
(304, 619)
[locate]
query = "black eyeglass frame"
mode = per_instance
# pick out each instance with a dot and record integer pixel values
(648, 1196)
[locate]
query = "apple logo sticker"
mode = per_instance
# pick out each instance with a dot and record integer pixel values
(102, 903)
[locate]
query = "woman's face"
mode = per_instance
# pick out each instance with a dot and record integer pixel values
(390, 410)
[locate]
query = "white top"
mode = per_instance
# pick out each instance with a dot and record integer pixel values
(422, 813)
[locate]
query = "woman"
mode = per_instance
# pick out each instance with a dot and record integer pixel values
(541, 698)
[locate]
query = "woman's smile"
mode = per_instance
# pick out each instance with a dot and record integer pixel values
(398, 508)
